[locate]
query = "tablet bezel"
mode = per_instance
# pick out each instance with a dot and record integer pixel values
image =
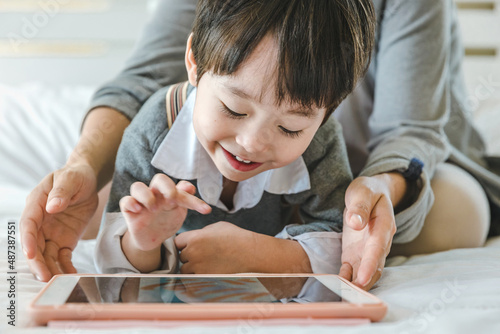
(365, 305)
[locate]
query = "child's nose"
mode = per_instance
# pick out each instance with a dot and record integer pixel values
(255, 140)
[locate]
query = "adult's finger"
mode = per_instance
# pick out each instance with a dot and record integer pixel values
(373, 280)
(34, 215)
(39, 268)
(378, 244)
(346, 271)
(51, 255)
(372, 262)
(65, 263)
(37, 264)
(29, 225)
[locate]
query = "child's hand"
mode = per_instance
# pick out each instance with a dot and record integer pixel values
(221, 248)
(369, 226)
(224, 248)
(155, 213)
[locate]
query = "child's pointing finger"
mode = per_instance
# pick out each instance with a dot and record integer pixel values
(179, 195)
(192, 202)
(187, 187)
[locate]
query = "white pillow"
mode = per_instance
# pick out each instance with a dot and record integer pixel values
(39, 126)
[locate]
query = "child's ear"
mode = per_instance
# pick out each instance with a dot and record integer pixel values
(191, 63)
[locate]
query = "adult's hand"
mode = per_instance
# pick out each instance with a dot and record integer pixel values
(369, 226)
(56, 214)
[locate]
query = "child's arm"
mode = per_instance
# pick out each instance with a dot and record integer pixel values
(133, 164)
(153, 214)
(226, 248)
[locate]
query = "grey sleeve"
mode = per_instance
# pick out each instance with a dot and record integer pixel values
(321, 208)
(157, 60)
(412, 99)
(133, 163)
(139, 143)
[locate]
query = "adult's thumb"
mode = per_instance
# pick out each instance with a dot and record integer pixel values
(63, 190)
(355, 220)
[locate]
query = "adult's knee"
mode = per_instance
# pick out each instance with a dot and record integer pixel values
(459, 217)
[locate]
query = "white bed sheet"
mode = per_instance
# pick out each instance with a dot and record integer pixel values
(449, 292)
(456, 291)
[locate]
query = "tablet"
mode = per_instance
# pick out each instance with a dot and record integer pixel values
(202, 297)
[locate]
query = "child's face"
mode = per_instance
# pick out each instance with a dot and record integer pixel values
(239, 123)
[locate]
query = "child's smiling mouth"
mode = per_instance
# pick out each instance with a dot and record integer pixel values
(240, 164)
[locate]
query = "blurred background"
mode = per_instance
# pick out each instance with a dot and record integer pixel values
(55, 53)
(68, 41)
(480, 26)
(87, 41)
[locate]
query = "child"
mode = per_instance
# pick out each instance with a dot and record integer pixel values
(254, 139)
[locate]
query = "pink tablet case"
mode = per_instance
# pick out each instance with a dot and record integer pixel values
(104, 324)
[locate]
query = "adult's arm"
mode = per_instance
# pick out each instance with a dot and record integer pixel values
(411, 99)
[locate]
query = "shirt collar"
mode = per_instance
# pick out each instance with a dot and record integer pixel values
(181, 156)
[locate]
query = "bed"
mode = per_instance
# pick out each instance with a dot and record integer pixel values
(457, 291)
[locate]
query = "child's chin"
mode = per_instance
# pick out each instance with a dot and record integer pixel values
(234, 178)
(238, 176)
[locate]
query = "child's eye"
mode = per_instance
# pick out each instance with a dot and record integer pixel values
(292, 134)
(231, 113)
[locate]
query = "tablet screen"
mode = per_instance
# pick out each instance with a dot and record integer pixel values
(200, 290)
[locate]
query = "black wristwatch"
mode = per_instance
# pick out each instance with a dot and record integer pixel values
(414, 170)
(412, 176)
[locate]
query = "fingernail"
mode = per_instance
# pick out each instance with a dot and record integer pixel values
(25, 252)
(355, 218)
(137, 207)
(361, 283)
(37, 277)
(55, 202)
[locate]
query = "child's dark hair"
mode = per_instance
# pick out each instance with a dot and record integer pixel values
(324, 45)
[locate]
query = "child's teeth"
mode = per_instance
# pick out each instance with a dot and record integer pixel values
(241, 160)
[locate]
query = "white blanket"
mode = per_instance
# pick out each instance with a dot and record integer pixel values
(449, 292)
